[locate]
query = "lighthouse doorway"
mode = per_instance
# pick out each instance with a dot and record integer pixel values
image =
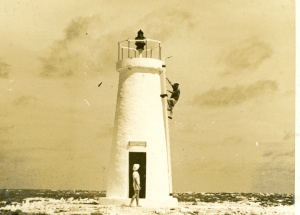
(138, 158)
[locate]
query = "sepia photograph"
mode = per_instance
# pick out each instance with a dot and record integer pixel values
(148, 107)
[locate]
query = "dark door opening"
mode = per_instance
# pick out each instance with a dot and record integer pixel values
(138, 158)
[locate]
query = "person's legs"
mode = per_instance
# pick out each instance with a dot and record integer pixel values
(170, 104)
(137, 197)
(132, 199)
(174, 102)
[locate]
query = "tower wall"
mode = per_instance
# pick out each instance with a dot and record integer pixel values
(139, 117)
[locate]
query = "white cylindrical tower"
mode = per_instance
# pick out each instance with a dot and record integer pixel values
(140, 129)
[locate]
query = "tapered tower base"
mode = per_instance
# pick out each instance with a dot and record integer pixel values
(166, 202)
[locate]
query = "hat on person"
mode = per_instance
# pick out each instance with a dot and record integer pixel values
(176, 84)
(135, 167)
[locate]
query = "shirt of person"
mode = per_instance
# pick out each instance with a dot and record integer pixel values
(136, 180)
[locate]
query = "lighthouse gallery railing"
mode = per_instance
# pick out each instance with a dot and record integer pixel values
(152, 49)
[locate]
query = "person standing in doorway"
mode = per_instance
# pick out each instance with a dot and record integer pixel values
(136, 185)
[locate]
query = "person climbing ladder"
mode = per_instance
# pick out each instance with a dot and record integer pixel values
(175, 94)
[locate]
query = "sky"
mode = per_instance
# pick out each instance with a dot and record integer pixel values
(233, 127)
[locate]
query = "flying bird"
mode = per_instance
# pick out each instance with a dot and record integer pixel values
(87, 102)
(99, 84)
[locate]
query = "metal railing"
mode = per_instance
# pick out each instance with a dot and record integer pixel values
(152, 49)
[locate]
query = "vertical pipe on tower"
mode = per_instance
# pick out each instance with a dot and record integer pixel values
(166, 123)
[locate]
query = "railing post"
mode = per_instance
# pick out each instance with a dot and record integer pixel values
(118, 51)
(159, 51)
(128, 55)
(146, 48)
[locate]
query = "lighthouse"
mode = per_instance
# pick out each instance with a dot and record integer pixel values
(141, 132)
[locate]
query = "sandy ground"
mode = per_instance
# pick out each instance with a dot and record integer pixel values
(89, 206)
